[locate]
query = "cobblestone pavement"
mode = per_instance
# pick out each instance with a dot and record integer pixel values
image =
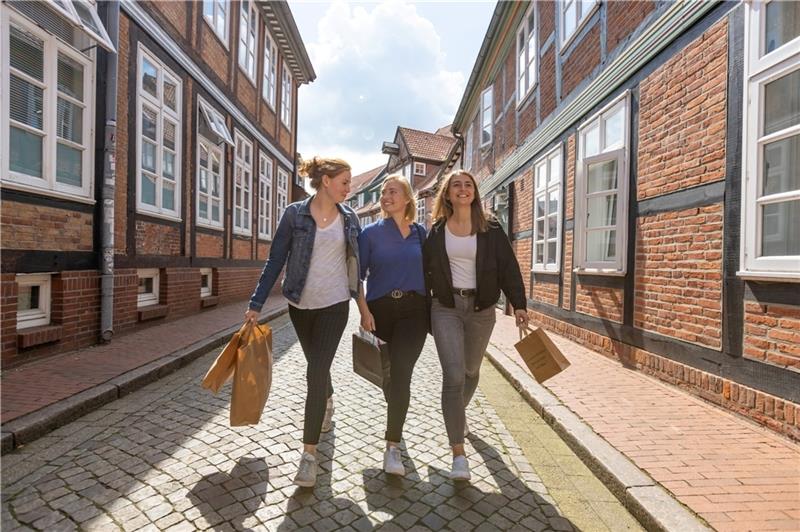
(164, 458)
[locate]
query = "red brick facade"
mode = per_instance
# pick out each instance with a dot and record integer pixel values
(772, 333)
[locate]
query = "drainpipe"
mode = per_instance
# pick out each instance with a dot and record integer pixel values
(109, 177)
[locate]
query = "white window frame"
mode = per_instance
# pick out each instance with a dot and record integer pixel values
(469, 141)
(87, 20)
(269, 89)
(620, 153)
(587, 8)
(527, 75)
(421, 212)
(407, 170)
(209, 290)
(152, 298)
(487, 127)
(282, 193)
(361, 197)
(286, 97)
(163, 112)
(220, 16)
(760, 69)
(216, 122)
(246, 186)
(52, 47)
(420, 168)
(265, 185)
(41, 316)
(212, 149)
(545, 188)
(248, 40)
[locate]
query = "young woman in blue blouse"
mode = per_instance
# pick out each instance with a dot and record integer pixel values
(390, 251)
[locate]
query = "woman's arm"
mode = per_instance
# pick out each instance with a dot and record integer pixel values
(511, 278)
(278, 253)
(367, 320)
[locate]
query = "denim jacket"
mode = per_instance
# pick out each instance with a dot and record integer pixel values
(294, 239)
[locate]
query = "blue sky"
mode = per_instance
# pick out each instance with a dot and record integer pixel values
(381, 65)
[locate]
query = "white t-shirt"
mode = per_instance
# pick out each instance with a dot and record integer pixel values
(461, 251)
(326, 283)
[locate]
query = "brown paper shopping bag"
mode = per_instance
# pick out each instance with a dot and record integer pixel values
(252, 378)
(540, 354)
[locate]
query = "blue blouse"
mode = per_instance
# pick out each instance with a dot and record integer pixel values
(389, 261)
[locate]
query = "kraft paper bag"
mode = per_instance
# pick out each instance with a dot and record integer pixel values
(371, 359)
(222, 368)
(540, 354)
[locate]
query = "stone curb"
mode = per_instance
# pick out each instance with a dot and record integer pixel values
(29, 427)
(646, 499)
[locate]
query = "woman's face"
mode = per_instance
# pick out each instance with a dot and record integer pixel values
(393, 198)
(461, 191)
(338, 186)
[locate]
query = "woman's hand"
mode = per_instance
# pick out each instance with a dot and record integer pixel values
(367, 321)
(251, 316)
(522, 317)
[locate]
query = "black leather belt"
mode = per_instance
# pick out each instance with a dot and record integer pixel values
(465, 292)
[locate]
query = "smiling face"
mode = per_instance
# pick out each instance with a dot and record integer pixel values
(338, 186)
(393, 198)
(461, 190)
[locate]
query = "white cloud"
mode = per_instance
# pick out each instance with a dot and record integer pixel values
(378, 66)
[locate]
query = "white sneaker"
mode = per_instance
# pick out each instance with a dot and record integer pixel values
(327, 422)
(466, 429)
(306, 471)
(393, 461)
(460, 468)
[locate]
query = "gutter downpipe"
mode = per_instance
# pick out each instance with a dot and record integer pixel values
(109, 177)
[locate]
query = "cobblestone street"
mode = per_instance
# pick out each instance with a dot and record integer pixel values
(164, 458)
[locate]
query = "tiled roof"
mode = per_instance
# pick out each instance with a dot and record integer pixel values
(358, 182)
(426, 145)
(445, 131)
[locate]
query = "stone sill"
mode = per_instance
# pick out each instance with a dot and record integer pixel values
(152, 312)
(43, 334)
(209, 301)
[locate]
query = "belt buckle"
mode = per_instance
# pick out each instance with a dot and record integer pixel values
(396, 294)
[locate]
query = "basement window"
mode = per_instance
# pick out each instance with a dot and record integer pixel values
(33, 300)
(206, 280)
(148, 287)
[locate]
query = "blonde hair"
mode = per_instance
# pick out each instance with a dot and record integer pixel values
(317, 167)
(411, 207)
(443, 209)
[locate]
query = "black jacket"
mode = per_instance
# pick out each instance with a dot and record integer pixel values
(496, 269)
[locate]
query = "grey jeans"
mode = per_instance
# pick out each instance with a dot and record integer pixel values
(461, 335)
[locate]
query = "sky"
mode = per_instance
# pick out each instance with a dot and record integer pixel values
(381, 65)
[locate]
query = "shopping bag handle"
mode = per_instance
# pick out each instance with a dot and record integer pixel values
(524, 330)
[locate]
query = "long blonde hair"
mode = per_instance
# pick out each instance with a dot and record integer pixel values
(411, 207)
(317, 167)
(443, 209)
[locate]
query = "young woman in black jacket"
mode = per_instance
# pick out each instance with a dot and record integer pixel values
(468, 260)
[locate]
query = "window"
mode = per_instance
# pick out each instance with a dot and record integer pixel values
(573, 14)
(407, 171)
(49, 113)
(771, 192)
(213, 122)
(468, 141)
(206, 282)
(602, 191)
(215, 12)
(264, 196)
(248, 37)
(286, 98)
(547, 212)
(210, 172)
(486, 116)
(148, 287)
(158, 106)
(361, 200)
(421, 212)
(526, 56)
(270, 71)
(420, 169)
(242, 185)
(33, 300)
(283, 191)
(83, 15)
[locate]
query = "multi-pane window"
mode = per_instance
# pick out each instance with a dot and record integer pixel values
(206, 282)
(421, 212)
(601, 191)
(210, 183)
(147, 293)
(407, 171)
(526, 56)
(547, 212)
(282, 192)
(286, 97)
(468, 141)
(242, 185)
(248, 38)
(270, 71)
(420, 169)
(47, 111)
(33, 300)
(159, 142)
(215, 12)
(487, 97)
(264, 196)
(771, 192)
(573, 14)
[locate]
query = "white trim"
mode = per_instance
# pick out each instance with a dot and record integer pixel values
(209, 290)
(212, 150)
(269, 81)
(422, 166)
(530, 69)
(92, 27)
(421, 212)
(482, 113)
(469, 141)
(148, 298)
(248, 40)
(266, 171)
(214, 19)
(552, 159)
(282, 196)
(40, 316)
(581, 22)
(286, 102)
(215, 121)
(240, 163)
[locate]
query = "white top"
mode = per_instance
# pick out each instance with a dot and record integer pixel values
(326, 283)
(461, 250)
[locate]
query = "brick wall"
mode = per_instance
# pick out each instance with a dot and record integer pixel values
(567, 270)
(600, 301)
(126, 285)
(623, 17)
(547, 83)
(522, 201)
(522, 249)
(262, 251)
(526, 118)
(679, 275)
(268, 118)
(682, 117)
(546, 19)
(235, 284)
(121, 185)
(581, 62)
(546, 292)
(209, 245)
(242, 249)
(772, 333)
(8, 316)
(213, 53)
(157, 239)
(246, 90)
(569, 206)
(180, 289)
(174, 13)
(26, 226)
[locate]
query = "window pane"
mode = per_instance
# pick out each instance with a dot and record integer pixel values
(70, 77)
(86, 15)
(203, 208)
(539, 253)
(149, 156)
(215, 187)
(26, 102)
(203, 156)
(569, 20)
(551, 252)
(215, 211)
(203, 180)
(540, 206)
(615, 129)
(149, 118)
(540, 230)
(145, 285)
(208, 9)
(204, 280)
(69, 165)
(28, 297)
(170, 94)
(555, 169)
(25, 152)
(602, 176)
(149, 77)
(169, 165)
(168, 196)
(26, 53)
(552, 204)
(782, 25)
(781, 166)
(782, 103)
(69, 121)
(780, 226)
(169, 135)
(552, 226)
(601, 246)
(602, 211)
(541, 175)
(591, 142)
(148, 190)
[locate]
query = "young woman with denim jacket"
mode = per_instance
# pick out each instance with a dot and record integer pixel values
(468, 260)
(391, 261)
(319, 239)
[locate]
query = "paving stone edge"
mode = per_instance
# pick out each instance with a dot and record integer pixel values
(646, 499)
(29, 427)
